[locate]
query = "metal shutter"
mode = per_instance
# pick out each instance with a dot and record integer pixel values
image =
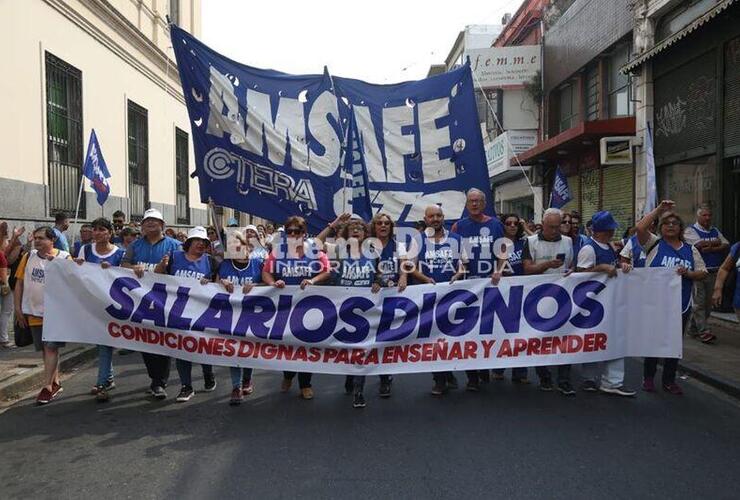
(685, 116)
(732, 98)
(618, 195)
(574, 186)
(590, 188)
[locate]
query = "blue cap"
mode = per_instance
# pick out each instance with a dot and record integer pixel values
(603, 221)
(232, 222)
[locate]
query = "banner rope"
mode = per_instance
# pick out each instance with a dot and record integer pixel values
(511, 146)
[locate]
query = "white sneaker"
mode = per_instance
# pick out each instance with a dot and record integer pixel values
(619, 391)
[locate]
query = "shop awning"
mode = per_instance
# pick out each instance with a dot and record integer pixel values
(661, 46)
(576, 139)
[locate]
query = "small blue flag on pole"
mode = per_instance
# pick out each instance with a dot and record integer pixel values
(560, 192)
(96, 170)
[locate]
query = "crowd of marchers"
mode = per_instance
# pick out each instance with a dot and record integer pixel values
(352, 252)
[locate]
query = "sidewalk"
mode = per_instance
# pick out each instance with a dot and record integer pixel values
(716, 364)
(22, 369)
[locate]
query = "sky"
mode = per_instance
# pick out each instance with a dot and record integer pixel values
(383, 41)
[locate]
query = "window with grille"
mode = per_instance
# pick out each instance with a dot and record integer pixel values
(182, 178)
(138, 159)
(592, 93)
(175, 12)
(64, 135)
(568, 112)
(620, 91)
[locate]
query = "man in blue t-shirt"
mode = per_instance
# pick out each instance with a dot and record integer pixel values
(143, 255)
(478, 233)
(438, 260)
(713, 247)
(61, 224)
(732, 261)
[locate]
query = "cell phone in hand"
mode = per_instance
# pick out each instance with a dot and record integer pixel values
(560, 257)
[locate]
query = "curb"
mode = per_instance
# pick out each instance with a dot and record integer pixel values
(727, 386)
(34, 377)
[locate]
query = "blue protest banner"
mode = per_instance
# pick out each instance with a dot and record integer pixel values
(275, 145)
(560, 194)
(96, 170)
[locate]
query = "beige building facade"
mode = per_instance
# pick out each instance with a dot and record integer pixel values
(76, 65)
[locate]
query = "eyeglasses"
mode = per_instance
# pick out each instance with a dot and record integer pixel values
(671, 223)
(566, 222)
(293, 230)
(511, 223)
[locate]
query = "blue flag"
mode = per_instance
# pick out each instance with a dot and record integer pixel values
(276, 145)
(560, 194)
(96, 170)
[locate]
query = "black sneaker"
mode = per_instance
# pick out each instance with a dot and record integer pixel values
(210, 385)
(186, 393)
(451, 381)
(385, 390)
(358, 401)
(472, 386)
(439, 389)
(546, 385)
(158, 392)
(589, 386)
(566, 389)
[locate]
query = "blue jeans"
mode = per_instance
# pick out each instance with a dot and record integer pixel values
(105, 364)
(239, 375)
(185, 369)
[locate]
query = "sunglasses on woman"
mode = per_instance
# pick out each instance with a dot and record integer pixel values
(294, 231)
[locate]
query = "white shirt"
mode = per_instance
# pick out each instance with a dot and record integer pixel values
(587, 255)
(540, 250)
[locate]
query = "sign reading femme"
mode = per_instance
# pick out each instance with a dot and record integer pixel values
(275, 145)
(525, 321)
(502, 66)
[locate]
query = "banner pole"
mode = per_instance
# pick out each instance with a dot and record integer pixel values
(345, 136)
(79, 200)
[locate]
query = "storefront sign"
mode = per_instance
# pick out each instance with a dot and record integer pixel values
(499, 66)
(616, 150)
(500, 151)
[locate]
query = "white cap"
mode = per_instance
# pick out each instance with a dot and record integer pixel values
(153, 213)
(198, 232)
(252, 227)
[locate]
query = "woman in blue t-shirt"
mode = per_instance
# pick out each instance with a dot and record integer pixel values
(352, 267)
(289, 264)
(732, 260)
(195, 263)
(106, 254)
(669, 250)
(514, 232)
(241, 274)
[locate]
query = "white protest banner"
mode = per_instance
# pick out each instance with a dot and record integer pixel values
(525, 321)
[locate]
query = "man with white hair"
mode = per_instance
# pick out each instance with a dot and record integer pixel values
(478, 232)
(713, 247)
(549, 252)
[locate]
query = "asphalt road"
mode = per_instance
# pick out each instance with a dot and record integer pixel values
(505, 442)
